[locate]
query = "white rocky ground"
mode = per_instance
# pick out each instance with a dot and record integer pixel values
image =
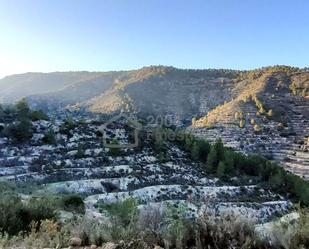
(104, 179)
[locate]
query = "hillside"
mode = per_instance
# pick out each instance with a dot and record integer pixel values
(62, 185)
(270, 115)
(14, 87)
(186, 92)
(263, 110)
(58, 174)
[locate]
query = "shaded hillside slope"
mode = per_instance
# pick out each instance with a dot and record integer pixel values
(14, 87)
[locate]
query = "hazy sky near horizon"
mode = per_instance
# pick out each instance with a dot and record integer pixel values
(103, 35)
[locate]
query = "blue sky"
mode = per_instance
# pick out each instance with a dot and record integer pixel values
(102, 35)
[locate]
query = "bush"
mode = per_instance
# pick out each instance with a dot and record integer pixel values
(226, 231)
(38, 115)
(20, 116)
(257, 128)
(114, 151)
(125, 212)
(11, 221)
(80, 152)
(20, 131)
(67, 126)
(17, 216)
(242, 123)
(123, 223)
(50, 137)
(291, 232)
(73, 203)
(22, 108)
(176, 227)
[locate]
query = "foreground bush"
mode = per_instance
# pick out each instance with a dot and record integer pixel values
(168, 228)
(19, 216)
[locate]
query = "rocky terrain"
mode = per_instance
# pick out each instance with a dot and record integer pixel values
(85, 161)
(79, 163)
(263, 110)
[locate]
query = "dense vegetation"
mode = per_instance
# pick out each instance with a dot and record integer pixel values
(17, 120)
(131, 228)
(18, 214)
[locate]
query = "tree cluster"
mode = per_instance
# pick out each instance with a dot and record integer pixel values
(18, 118)
(225, 163)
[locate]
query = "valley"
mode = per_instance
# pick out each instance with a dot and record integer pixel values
(201, 138)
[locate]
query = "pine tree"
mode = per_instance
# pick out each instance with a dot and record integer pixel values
(195, 151)
(221, 170)
(212, 160)
(229, 162)
(219, 147)
(22, 108)
(49, 137)
(204, 149)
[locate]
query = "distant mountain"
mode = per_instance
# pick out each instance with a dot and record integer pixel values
(174, 91)
(17, 86)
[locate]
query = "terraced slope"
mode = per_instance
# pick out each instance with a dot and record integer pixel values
(269, 116)
(140, 174)
(266, 110)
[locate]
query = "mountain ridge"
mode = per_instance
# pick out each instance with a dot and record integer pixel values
(267, 108)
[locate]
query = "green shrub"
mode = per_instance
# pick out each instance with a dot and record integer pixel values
(226, 231)
(67, 126)
(176, 226)
(20, 116)
(11, 214)
(80, 151)
(16, 215)
(114, 151)
(20, 131)
(38, 115)
(126, 211)
(50, 137)
(73, 203)
(22, 108)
